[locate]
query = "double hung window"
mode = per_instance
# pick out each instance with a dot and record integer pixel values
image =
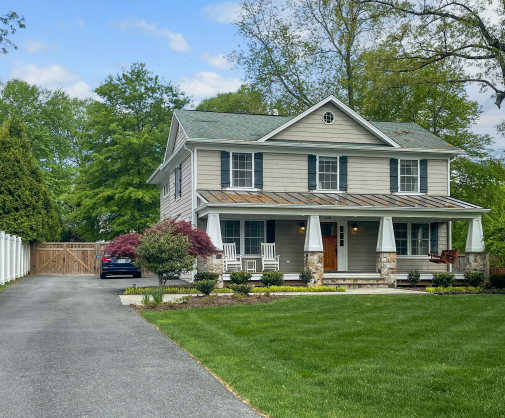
(178, 181)
(412, 239)
(247, 235)
(409, 176)
(241, 169)
(327, 173)
(166, 189)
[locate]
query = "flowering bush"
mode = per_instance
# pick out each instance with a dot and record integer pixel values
(123, 245)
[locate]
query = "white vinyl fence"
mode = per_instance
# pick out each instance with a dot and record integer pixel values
(14, 257)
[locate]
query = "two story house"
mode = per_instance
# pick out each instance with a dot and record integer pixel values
(352, 200)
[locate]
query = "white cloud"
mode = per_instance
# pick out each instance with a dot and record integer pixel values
(52, 77)
(207, 84)
(176, 40)
(81, 23)
(225, 12)
(219, 61)
(33, 46)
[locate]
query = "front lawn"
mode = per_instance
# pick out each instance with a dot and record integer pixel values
(354, 356)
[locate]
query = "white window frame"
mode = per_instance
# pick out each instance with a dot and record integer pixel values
(232, 187)
(165, 189)
(418, 175)
(337, 190)
(330, 123)
(409, 240)
(242, 236)
(178, 170)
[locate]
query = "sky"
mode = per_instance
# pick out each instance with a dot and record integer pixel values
(77, 44)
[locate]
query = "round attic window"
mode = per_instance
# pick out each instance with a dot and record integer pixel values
(328, 118)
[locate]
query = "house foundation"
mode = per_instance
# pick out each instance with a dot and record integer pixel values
(314, 262)
(475, 262)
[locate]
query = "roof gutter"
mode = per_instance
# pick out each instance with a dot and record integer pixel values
(180, 150)
(387, 149)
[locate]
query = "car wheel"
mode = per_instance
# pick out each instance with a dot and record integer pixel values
(103, 276)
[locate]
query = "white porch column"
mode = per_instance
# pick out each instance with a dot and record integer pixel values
(386, 262)
(314, 251)
(2, 257)
(214, 263)
(475, 259)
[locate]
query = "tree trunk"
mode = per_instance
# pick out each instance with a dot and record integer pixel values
(160, 279)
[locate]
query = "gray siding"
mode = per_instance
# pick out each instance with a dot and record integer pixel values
(209, 169)
(343, 129)
(437, 177)
(361, 247)
(285, 172)
(289, 244)
(181, 208)
(179, 139)
(368, 175)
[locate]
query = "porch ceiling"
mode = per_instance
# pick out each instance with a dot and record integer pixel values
(343, 200)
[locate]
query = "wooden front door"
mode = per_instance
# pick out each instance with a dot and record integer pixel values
(329, 233)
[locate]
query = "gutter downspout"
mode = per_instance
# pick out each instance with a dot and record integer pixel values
(193, 195)
(449, 224)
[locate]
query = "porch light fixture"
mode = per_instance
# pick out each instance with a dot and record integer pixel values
(302, 226)
(354, 227)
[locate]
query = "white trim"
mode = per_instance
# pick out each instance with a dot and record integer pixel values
(242, 235)
(256, 276)
(449, 239)
(313, 237)
(167, 194)
(342, 256)
(341, 106)
(245, 189)
(332, 115)
(409, 242)
(449, 179)
(386, 238)
(475, 236)
(317, 174)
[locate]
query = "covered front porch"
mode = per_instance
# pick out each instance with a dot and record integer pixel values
(359, 245)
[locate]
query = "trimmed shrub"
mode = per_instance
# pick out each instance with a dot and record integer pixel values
(240, 277)
(205, 275)
(241, 288)
(272, 278)
(205, 286)
(475, 278)
(497, 281)
(444, 279)
(414, 277)
(306, 276)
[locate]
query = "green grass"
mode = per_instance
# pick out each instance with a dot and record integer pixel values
(354, 356)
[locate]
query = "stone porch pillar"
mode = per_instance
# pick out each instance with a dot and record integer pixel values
(475, 259)
(386, 261)
(214, 263)
(313, 251)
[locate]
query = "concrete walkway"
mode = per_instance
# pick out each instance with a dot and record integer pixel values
(136, 299)
(69, 349)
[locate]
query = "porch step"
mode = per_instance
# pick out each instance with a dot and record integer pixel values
(354, 280)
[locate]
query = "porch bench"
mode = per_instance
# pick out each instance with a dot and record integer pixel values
(447, 257)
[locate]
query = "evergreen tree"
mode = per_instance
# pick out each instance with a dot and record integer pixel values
(26, 207)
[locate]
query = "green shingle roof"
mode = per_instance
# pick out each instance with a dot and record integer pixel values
(411, 135)
(246, 127)
(216, 125)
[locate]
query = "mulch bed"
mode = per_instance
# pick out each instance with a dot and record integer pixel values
(207, 301)
(488, 291)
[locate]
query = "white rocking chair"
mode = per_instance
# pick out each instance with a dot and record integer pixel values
(268, 258)
(231, 261)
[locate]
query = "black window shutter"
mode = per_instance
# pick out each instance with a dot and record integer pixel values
(434, 238)
(258, 170)
(225, 169)
(312, 172)
(270, 231)
(343, 174)
(393, 174)
(424, 176)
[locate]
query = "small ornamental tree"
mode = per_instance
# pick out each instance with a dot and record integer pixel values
(124, 245)
(164, 252)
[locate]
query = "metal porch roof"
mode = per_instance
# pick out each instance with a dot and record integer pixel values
(335, 199)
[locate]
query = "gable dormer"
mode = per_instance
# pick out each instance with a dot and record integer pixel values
(176, 137)
(330, 121)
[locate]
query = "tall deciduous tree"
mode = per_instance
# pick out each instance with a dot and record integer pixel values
(245, 100)
(11, 22)
(26, 208)
(128, 133)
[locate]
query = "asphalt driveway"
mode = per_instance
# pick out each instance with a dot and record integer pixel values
(68, 348)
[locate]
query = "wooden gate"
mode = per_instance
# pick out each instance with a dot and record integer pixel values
(66, 257)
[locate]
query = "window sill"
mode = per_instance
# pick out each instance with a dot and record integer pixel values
(326, 191)
(410, 193)
(177, 198)
(246, 189)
